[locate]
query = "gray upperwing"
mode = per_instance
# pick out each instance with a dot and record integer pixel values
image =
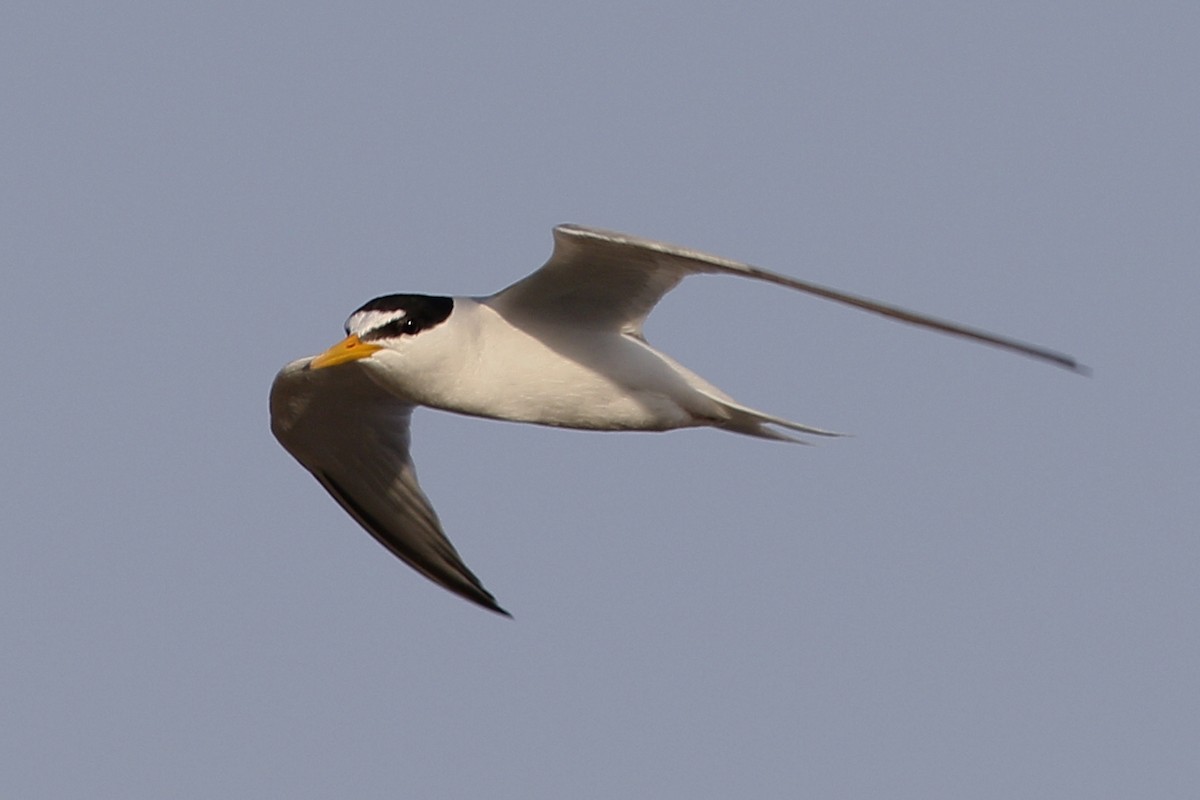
(613, 280)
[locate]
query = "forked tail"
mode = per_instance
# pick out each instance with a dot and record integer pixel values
(733, 416)
(740, 419)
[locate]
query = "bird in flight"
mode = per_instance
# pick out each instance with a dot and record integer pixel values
(561, 347)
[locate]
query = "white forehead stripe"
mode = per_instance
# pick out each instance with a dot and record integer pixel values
(362, 321)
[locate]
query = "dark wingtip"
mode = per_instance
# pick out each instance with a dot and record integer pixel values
(1064, 361)
(479, 596)
(491, 605)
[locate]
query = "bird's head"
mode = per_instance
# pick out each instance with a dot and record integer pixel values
(385, 323)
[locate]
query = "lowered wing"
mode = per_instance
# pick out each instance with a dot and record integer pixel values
(354, 437)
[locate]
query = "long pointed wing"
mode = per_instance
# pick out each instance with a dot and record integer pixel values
(613, 280)
(354, 437)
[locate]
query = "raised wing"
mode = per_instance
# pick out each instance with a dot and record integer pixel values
(353, 437)
(613, 280)
(598, 278)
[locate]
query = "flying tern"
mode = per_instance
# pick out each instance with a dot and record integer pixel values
(561, 347)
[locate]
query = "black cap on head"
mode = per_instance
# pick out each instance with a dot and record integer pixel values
(398, 315)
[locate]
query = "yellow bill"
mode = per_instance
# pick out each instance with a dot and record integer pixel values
(349, 349)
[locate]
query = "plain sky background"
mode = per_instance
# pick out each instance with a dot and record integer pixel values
(990, 591)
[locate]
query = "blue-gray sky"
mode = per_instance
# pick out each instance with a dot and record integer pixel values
(990, 591)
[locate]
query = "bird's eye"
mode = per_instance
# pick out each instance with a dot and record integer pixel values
(409, 326)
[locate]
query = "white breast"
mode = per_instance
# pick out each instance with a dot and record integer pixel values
(478, 363)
